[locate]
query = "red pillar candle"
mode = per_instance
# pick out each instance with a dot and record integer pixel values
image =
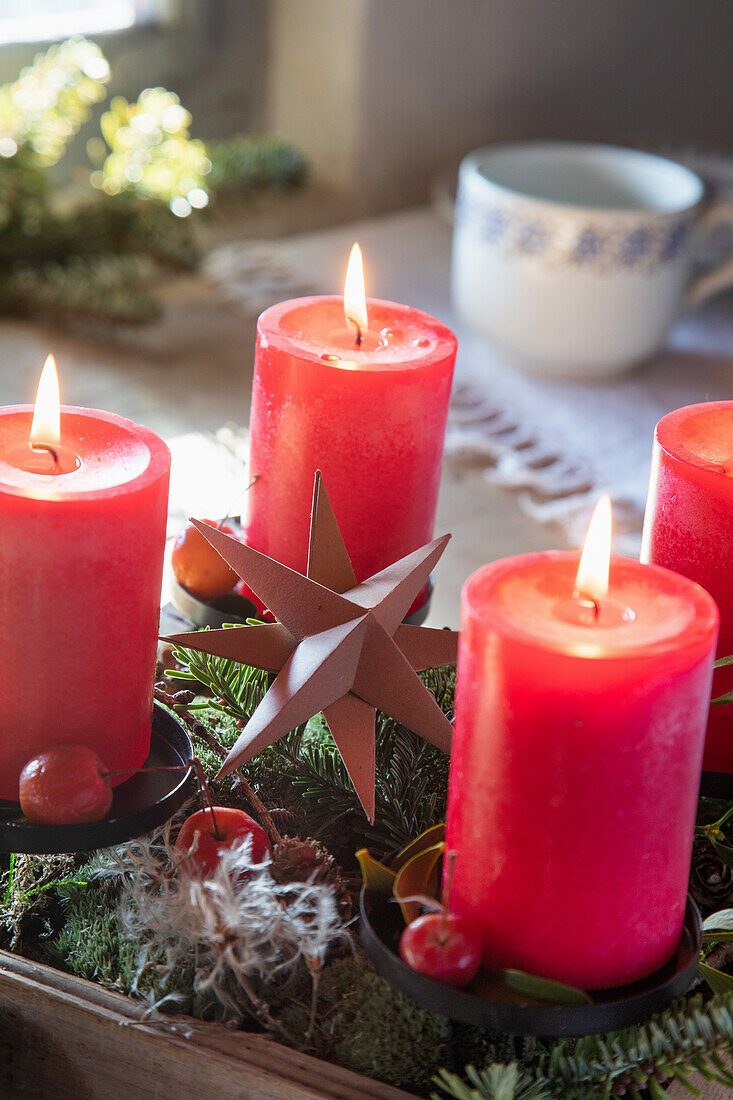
(371, 416)
(82, 534)
(689, 528)
(576, 764)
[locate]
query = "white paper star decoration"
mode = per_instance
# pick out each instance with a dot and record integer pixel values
(338, 646)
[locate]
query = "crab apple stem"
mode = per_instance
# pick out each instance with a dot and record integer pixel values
(201, 731)
(253, 481)
(204, 788)
(157, 768)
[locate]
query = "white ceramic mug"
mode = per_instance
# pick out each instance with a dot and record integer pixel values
(574, 259)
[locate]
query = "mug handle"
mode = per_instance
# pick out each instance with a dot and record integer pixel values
(711, 282)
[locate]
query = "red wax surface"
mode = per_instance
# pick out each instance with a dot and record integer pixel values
(689, 528)
(576, 765)
(81, 560)
(372, 419)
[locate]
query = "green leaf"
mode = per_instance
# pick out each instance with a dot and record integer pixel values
(520, 988)
(543, 989)
(716, 979)
(722, 699)
(717, 937)
(723, 662)
(725, 852)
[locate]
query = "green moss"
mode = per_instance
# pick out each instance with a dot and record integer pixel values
(92, 945)
(374, 1030)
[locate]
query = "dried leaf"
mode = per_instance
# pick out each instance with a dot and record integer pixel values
(418, 876)
(428, 839)
(374, 874)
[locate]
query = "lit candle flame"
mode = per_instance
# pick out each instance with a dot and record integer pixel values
(46, 426)
(355, 307)
(591, 580)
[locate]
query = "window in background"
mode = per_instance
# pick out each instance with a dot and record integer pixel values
(48, 20)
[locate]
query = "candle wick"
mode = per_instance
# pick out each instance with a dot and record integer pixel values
(46, 447)
(588, 601)
(358, 335)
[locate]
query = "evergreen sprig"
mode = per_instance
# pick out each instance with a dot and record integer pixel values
(689, 1037)
(246, 164)
(305, 769)
(237, 689)
(497, 1082)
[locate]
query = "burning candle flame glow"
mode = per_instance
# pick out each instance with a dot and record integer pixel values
(46, 426)
(355, 307)
(591, 580)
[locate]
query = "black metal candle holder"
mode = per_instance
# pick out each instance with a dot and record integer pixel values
(233, 608)
(143, 802)
(230, 608)
(382, 925)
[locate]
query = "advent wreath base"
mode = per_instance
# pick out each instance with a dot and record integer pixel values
(64, 1038)
(130, 1031)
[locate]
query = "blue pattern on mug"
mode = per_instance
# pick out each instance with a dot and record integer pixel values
(589, 245)
(532, 238)
(635, 246)
(643, 247)
(494, 224)
(674, 241)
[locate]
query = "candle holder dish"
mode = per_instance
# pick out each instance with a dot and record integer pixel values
(382, 924)
(230, 608)
(143, 802)
(233, 608)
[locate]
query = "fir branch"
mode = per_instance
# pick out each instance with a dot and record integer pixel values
(497, 1082)
(108, 288)
(688, 1037)
(237, 689)
(249, 164)
(411, 774)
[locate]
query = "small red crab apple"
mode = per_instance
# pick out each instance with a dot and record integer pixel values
(440, 946)
(218, 828)
(65, 785)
